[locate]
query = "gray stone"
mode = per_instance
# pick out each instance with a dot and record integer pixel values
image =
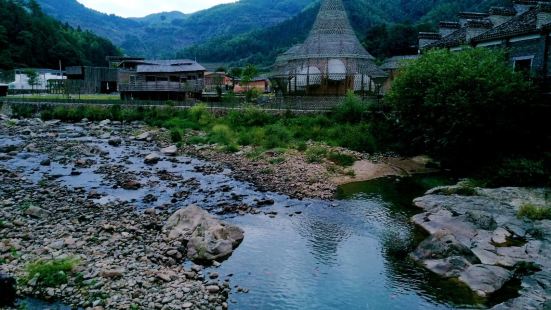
(115, 141)
(207, 239)
(485, 279)
(37, 212)
(170, 151)
(152, 159)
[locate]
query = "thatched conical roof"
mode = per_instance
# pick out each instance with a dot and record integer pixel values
(331, 37)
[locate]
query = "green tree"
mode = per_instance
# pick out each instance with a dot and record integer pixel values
(33, 77)
(462, 107)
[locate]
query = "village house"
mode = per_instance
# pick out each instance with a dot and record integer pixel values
(259, 84)
(161, 79)
(523, 30)
(90, 80)
(217, 80)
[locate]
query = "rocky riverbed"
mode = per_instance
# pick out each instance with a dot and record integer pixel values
(478, 238)
(71, 192)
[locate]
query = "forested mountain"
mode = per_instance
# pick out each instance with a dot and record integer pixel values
(161, 35)
(387, 27)
(29, 38)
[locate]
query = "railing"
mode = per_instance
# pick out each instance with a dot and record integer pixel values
(193, 86)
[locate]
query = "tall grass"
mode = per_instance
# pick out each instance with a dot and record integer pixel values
(250, 126)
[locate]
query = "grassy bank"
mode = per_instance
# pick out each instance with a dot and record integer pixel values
(353, 125)
(345, 127)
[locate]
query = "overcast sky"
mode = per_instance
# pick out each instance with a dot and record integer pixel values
(140, 8)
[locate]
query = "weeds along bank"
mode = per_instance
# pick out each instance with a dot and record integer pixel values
(354, 125)
(250, 126)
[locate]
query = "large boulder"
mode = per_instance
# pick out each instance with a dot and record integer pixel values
(207, 238)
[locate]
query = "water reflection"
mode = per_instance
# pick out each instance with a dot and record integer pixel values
(324, 238)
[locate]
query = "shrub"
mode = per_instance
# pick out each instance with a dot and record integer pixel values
(519, 172)
(176, 135)
(341, 159)
(315, 154)
(276, 136)
(197, 140)
(222, 134)
(301, 146)
(534, 212)
(459, 106)
(351, 110)
(200, 114)
(249, 117)
(51, 273)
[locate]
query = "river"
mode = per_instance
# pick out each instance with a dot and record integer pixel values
(350, 253)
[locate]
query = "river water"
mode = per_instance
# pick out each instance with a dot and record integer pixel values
(342, 254)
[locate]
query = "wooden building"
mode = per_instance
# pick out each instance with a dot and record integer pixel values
(161, 79)
(91, 80)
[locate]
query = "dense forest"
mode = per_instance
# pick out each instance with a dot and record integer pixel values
(30, 38)
(387, 28)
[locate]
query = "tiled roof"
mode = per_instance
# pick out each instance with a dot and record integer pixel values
(518, 25)
(397, 62)
(169, 66)
(456, 38)
(502, 11)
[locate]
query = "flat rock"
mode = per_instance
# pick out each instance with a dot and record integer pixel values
(485, 279)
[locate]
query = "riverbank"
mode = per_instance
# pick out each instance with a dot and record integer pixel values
(487, 238)
(80, 245)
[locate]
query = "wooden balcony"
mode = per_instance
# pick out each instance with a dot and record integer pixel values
(162, 86)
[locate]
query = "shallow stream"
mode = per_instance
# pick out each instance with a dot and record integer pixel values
(297, 254)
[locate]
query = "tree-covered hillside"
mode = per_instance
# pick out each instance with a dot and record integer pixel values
(29, 38)
(161, 35)
(387, 27)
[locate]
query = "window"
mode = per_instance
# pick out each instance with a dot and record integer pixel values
(150, 78)
(174, 78)
(162, 79)
(523, 65)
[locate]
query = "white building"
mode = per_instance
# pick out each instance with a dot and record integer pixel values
(44, 75)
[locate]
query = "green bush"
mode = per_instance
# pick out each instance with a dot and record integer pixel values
(276, 136)
(351, 110)
(519, 172)
(315, 154)
(200, 114)
(534, 212)
(461, 107)
(176, 135)
(51, 273)
(222, 134)
(341, 159)
(249, 117)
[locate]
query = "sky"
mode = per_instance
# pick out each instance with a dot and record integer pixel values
(140, 8)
